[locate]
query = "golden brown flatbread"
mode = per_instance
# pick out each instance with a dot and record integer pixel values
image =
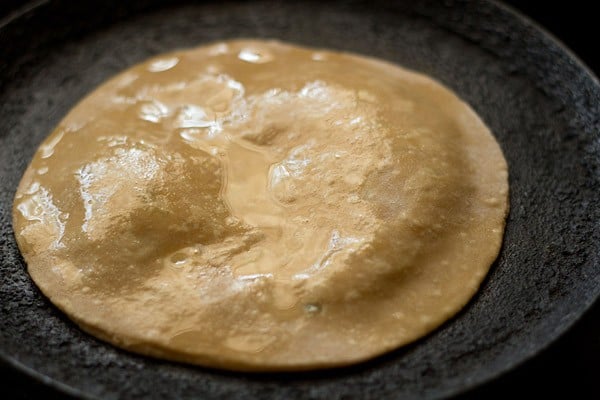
(254, 205)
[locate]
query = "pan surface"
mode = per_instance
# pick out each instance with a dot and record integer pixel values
(541, 103)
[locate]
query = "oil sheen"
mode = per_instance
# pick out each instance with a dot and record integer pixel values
(255, 205)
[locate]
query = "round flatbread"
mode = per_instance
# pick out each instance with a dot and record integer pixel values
(254, 205)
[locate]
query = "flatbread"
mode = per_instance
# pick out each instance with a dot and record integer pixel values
(254, 205)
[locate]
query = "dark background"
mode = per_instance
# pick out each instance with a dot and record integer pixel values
(568, 368)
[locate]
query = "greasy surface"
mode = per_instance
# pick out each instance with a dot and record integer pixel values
(255, 205)
(547, 272)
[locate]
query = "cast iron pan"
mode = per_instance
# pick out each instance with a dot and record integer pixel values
(541, 103)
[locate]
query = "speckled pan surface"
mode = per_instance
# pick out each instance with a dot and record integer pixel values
(543, 106)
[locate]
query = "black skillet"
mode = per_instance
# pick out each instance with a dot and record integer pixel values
(541, 103)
